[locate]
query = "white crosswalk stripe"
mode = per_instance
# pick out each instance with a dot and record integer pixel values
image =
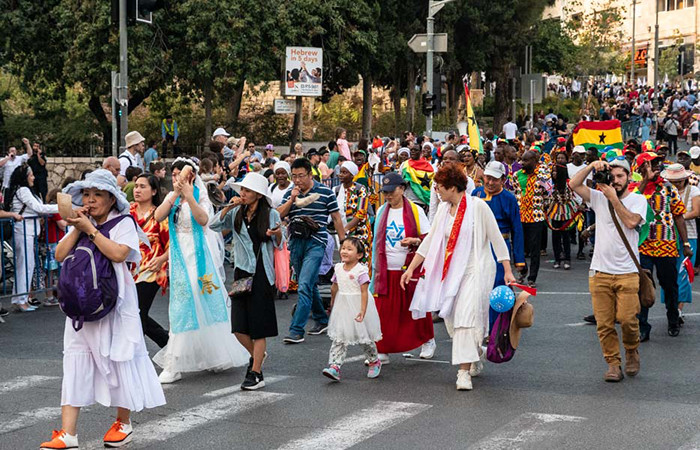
(526, 429)
(26, 419)
(26, 382)
(237, 388)
(175, 424)
(354, 428)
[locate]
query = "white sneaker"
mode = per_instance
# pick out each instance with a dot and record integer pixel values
(478, 366)
(383, 358)
(427, 350)
(464, 381)
(166, 377)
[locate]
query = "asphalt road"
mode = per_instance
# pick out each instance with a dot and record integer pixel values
(550, 396)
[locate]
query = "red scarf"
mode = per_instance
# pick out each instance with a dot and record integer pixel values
(454, 234)
(410, 230)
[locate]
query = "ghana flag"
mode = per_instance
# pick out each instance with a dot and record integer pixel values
(419, 174)
(601, 134)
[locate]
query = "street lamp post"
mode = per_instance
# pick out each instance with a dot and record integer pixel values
(123, 76)
(634, 16)
(656, 53)
(433, 8)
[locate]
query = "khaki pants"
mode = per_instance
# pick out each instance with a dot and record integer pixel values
(615, 297)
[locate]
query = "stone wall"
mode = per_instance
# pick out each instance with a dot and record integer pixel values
(59, 168)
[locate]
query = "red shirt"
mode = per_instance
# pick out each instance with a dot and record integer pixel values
(53, 231)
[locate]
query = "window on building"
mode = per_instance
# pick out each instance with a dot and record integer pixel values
(672, 5)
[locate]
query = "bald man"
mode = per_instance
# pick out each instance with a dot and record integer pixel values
(112, 164)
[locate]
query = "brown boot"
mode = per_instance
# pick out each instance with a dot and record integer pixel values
(614, 373)
(632, 362)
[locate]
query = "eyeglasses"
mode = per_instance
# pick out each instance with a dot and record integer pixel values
(299, 176)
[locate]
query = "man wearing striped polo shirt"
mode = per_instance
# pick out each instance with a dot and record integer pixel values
(307, 254)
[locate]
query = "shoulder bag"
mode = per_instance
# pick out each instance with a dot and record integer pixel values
(647, 289)
(244, 286)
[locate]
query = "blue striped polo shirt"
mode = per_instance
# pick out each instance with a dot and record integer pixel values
(319, 211)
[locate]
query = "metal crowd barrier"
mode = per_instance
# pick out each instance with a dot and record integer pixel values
(17, 239)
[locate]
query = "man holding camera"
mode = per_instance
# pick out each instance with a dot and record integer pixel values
(613, 276)
(41, 176)
(659, 250)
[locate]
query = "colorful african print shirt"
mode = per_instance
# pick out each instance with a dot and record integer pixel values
(159, 237)
(665, 203)
(357, 201)
(533, 191)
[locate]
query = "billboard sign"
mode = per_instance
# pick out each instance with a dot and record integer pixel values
(303, 71)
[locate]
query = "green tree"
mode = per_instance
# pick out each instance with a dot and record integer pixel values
(553, 48)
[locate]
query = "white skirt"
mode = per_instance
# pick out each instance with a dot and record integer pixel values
(94, 372)
(466, 343)
(210, 347)
(343, 327)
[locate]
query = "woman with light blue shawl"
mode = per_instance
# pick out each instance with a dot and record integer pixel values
(200, 324)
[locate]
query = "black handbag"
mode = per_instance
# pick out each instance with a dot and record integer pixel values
(244, 286)
(302, 227)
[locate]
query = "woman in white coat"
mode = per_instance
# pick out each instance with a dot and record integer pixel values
(459, 270)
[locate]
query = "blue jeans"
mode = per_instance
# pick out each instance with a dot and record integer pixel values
(306, 256)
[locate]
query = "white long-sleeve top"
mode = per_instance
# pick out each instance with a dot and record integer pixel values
(34, 207)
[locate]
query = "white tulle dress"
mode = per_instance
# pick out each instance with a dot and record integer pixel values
(106, 361)
(342, 326)
(202, 341)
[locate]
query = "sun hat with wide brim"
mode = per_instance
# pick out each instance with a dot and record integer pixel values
(100, 179)
(675, 172)
(254, 182)
(523, 317)
(133, 138)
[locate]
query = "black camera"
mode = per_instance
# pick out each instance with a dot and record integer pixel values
(603, 177)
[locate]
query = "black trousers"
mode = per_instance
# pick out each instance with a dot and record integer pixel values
(561, 242)
(147, 292)
(672, 143)
(532, 233)
(667, 276)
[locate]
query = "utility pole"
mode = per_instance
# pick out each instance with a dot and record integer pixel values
(123, 76)
(433, 8)
(634, 16)
(656, 53)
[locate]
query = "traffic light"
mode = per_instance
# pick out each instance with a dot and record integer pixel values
(438, 81)
(428, 103)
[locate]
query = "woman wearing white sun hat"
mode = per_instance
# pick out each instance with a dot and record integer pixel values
(255, 227)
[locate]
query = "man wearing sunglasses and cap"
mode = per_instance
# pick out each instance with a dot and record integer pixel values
(659, 249)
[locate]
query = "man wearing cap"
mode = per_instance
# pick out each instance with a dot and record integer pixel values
(399, 229)
(313, 156)
(130, 157)
(613, 276)
(659, 249)
(309, 199)
(695, 159)
(683, 158)
(505, 209)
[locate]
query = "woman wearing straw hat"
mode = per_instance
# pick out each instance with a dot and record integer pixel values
(690, 195)
(106, 361)
(256, 231)
(200, 336)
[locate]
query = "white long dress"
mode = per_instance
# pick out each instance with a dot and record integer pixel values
(107, 361)
(342, 326)
(209, 343)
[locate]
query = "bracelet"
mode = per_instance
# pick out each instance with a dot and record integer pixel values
(687, 244)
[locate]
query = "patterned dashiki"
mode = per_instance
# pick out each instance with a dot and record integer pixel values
(532, 191)
(665, 203)
(357, 200)
(511, 169)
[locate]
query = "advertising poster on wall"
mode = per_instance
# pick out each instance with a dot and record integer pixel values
(303, 72)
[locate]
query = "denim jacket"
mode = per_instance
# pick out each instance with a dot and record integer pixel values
(243, 254)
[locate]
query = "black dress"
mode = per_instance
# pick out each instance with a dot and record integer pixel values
(254, 314)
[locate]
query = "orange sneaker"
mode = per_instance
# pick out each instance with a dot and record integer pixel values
(118, 435)
(60, 439)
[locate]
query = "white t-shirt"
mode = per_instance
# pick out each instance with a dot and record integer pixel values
(510, 129)
(126, 160)
(687, 197)
(574, 169)
(610, 255)
(10, 167)
(277, 194)
(395, 252)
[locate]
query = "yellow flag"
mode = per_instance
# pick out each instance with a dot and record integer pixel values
(472, 127)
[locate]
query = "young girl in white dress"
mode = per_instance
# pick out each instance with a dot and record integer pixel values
(354, 318)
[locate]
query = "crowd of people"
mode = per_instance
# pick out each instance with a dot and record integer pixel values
(407, 231)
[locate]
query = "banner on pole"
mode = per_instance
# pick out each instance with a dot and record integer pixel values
(303, 72)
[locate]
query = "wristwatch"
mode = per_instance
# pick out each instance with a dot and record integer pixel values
(92, 236)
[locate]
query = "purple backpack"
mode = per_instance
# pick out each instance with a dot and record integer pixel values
(87, 286)
(499, 349)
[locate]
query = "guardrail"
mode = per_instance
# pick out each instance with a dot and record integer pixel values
(27, 256)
